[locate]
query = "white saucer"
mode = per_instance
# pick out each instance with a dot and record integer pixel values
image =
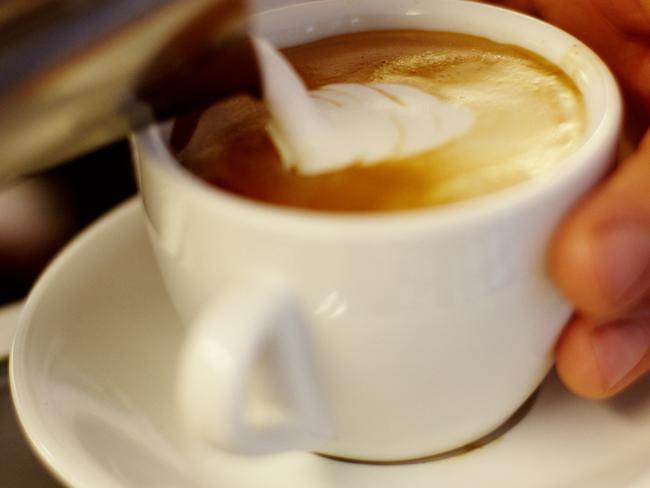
(92, 371)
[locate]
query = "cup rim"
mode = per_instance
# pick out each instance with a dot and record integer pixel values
(600, 141)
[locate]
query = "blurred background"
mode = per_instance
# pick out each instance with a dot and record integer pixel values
(40, 214)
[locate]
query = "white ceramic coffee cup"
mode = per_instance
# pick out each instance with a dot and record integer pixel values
(379, 337)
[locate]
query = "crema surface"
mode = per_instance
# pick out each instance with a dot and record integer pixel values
(529, 116)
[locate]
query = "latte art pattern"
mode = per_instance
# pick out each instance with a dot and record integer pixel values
(345, 124)
(528, 117)
(369, 124)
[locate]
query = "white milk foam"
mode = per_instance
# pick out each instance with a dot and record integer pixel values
(342, 125)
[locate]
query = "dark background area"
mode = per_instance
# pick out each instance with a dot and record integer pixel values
(81, 191)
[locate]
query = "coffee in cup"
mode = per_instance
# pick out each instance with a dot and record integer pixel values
(529, 116)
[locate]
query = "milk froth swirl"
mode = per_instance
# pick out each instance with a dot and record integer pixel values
(346, 124)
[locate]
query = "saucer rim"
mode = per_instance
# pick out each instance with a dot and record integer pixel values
(29, 420)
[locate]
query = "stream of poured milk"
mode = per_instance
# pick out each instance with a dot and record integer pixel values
(340, 125)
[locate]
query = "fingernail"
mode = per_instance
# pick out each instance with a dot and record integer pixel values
(624, 262)
(619, 348)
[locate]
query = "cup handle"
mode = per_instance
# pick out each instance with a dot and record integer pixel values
(246, 377)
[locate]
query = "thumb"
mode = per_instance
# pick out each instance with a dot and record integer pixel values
(600, 256)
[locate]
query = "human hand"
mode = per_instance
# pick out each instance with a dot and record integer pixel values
(600, 256)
